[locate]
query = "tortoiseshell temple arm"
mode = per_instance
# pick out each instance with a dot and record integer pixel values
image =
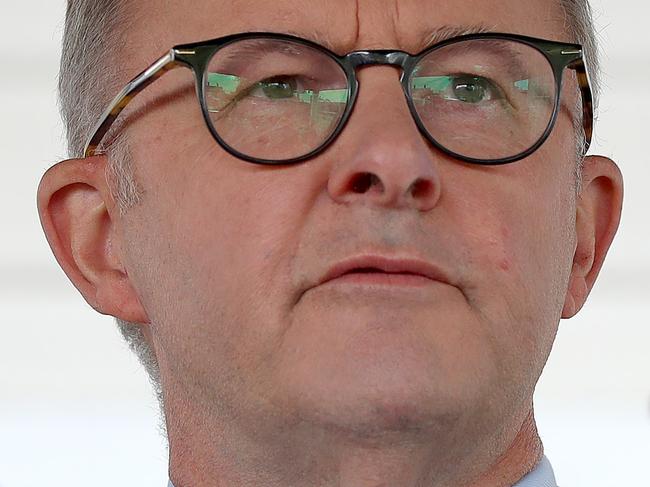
(135, 86)
(587, 100)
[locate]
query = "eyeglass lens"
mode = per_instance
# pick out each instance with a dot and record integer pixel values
(484, 98)
(276, 99)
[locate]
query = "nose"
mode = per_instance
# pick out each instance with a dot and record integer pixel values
(381, 157)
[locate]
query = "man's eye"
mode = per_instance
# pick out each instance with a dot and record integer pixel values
(466, 88)
(277, 88)
(473, 89)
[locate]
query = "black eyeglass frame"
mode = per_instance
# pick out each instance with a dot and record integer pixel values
(196, 56)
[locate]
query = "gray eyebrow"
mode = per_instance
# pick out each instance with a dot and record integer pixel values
(314, 36)
(446, 32)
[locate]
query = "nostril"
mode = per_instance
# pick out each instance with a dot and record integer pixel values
(421, 188)
(362, 182)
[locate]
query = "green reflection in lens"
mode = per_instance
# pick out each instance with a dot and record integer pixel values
(333, 96)
(522, 84)
(227, 82)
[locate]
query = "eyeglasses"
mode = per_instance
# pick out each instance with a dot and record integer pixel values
(272, 98)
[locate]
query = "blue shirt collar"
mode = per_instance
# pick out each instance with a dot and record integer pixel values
(542, 476)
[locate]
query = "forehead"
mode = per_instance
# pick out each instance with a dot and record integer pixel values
(344, 25)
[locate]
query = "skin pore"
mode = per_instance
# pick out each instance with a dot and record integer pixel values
(273, 379)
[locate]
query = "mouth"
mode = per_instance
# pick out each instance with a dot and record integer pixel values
(379, 270)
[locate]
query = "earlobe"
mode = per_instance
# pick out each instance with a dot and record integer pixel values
(76, 208)
(598, 213)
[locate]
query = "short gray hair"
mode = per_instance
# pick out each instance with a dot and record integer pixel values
(93, 32)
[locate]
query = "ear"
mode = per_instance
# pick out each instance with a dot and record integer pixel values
(598, 213)
(78, 215)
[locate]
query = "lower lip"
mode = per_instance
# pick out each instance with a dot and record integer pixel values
(383, 279)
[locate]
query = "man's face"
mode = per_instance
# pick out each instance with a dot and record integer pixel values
(228, 257)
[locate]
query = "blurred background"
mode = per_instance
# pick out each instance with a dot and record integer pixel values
(76, 409)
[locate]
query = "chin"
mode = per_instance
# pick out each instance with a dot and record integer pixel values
(386, 393)
(370, 372)
(382, 416)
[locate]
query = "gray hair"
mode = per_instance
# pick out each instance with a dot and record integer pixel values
(93, 33)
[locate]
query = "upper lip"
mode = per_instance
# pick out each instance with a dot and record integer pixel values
(392, 265)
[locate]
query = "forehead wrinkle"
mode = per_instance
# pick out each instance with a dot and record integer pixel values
(390, 15)
(429, 38)
(389, 24)
(357, 23)
(395, 17)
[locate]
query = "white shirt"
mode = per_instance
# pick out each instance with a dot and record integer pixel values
(542, 476)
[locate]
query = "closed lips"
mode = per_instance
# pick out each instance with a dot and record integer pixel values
(380, 264)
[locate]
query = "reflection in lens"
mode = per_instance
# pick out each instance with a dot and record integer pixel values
(484, 98)
(274, 99)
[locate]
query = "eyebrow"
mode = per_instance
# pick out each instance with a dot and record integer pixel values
(446, 32)
(434, 36)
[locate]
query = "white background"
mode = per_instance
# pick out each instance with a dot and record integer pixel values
(77, 410)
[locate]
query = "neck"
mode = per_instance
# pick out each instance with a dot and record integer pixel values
(208, 453)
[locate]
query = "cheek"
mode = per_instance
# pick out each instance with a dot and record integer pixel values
(239, 238)
(516, 220)
(216, 270)
(517, 254)
(524, 246)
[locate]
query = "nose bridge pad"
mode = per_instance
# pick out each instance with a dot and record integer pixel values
(378, 58)
(396, 59)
